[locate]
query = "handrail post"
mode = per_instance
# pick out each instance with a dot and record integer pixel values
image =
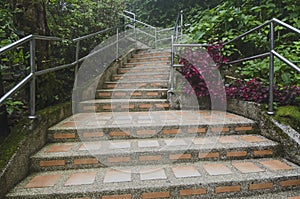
(172, 64)
(117, 45)
(181, 23)
(271, 73)
(33, 81)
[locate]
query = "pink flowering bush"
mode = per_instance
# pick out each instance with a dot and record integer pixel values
(256, 91)
(201, 70)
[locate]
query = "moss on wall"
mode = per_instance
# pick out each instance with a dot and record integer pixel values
(289, 115)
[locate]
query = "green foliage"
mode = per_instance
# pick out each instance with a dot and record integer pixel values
(232, 18)
(163, 13)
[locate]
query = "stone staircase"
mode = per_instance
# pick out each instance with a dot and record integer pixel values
(127, 143)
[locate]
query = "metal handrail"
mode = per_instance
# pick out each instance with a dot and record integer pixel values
(272, 53)
(34, 73)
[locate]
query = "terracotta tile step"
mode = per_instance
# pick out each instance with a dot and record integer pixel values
(87, 154)
(169, 123)
(143, 64)
(137, 84)
(149, 59)
(121, 105)
(132, 93)
(221, 179)
(141, 76)
(144, 69)
(147, 54)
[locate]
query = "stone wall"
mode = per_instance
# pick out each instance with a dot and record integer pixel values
(270, 128)
(36, 136)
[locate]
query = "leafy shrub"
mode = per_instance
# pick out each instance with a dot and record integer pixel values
(201, 70)
(257, 91)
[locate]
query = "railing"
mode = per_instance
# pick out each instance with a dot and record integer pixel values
(34, 73)
(272, 53)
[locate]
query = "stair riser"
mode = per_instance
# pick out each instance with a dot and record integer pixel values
(125, 85)
(146, 158)
(124, 107)
(132, 94)
(140, 77)
(149, 59)
(167, 131)
(144, 70)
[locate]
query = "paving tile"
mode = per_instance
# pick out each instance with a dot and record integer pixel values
(90, 146)
(119, 145)
(165, 194)
(252, 138)
(193, 192)
(43, 181)
(117, 176)
(59, 148)
(200, 141)
(81, 178)
(276, 165)
(148, 143)
(227, 139)
(217, 169)
(185, 171)
(153, 174)
(124, 196)
(175, 142)
(247, 167)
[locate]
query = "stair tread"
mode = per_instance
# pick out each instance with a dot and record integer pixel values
(215, 178)
(144, 73)
(123, 100)
(161, 118)
(133, 89)
(154, 145)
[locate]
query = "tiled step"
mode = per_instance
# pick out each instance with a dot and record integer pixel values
(162, 124)
(140, 76)
(143, 64)
(132, 93)
(151, 151)
(137, 84)
(222, 179)
(149, 59)
(147, 54)
(144, 69)
(121, 105)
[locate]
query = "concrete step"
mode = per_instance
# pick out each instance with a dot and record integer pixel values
(140, 76)
(204, 179)
(143, 64)
(150, 59)
(121, 105)
(145, 69)
(147, 54)
(90, 154)
(137, 84)
(149, 124)
(132, 93)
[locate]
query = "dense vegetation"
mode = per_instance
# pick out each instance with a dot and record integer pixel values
(232, 18)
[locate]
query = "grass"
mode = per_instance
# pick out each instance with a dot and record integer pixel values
(289, 115)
